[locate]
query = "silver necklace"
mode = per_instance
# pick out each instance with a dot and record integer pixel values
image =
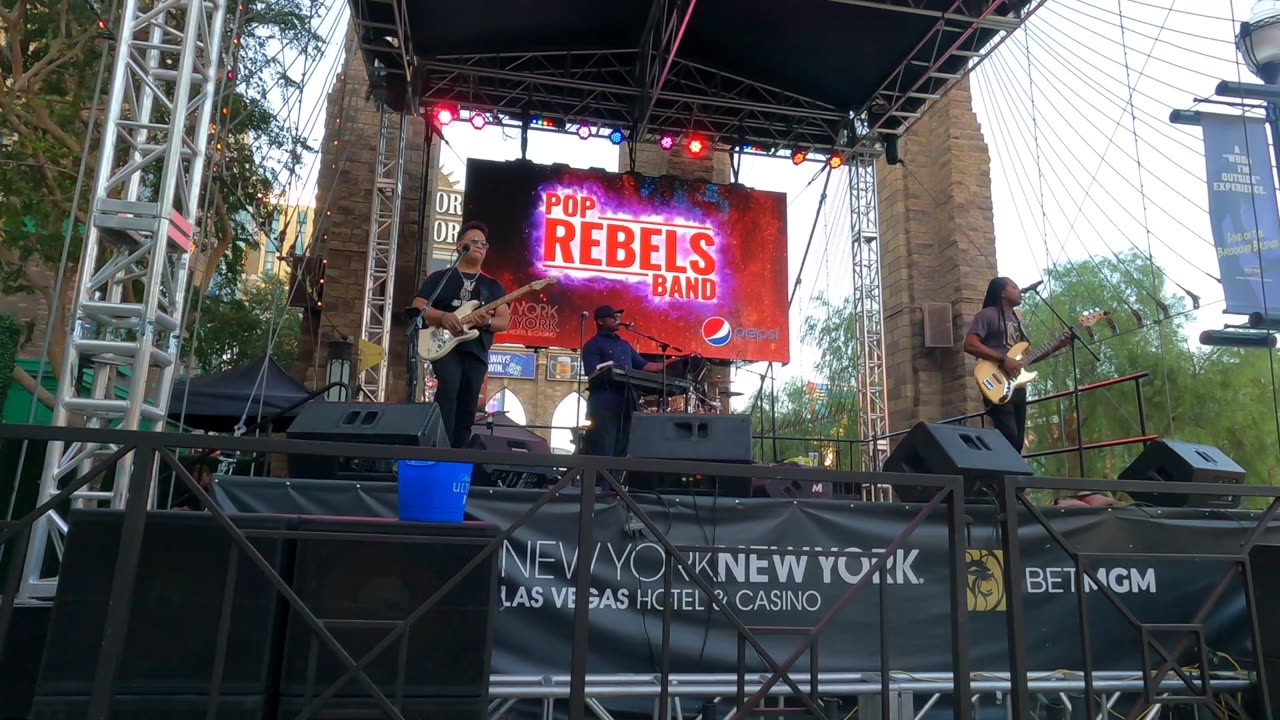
(468, 284)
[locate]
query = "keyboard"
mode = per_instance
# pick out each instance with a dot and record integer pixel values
(614, 376)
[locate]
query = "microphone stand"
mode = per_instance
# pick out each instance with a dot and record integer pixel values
(582, 371)
(663, 347)
(1075, 374)
(417, 322)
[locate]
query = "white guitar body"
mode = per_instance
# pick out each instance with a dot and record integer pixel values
(436, 342)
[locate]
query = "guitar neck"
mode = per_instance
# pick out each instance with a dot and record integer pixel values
(502, 300)
(1039, 352)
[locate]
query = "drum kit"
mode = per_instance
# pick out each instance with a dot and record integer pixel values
(706, 395)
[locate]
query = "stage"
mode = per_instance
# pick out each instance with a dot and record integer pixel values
(882, 594)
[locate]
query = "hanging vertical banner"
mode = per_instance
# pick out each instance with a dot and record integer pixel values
(1243, 211)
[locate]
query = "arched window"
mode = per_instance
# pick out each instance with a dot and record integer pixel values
(506, 400)
(566, 416)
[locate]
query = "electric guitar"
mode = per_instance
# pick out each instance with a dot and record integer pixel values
(436, 342)
(998, 388)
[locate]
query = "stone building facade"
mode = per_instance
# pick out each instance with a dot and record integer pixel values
(937, 236)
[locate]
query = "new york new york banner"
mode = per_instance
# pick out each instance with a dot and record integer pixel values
(1243, 212)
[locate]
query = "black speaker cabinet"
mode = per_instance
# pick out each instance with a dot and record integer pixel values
(980, 455)
(154, 707)
(411, 424)
(1176, 461)
(184, 573)
(362, 578)
(23, 650)
(679, 436)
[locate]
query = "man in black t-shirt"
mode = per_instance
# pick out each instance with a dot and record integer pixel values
(996, 328)
(460, 374)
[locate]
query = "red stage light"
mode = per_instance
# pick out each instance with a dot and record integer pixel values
(478, 120)
(834, 162)
(697, 146)
(667, 142)
(445, 115)
(798, 156)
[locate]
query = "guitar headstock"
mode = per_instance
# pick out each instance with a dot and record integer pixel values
(1089, 318)
(539, 284)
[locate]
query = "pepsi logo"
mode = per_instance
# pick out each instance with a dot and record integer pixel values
(717, 331)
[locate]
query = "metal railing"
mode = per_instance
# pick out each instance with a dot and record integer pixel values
(151, 450)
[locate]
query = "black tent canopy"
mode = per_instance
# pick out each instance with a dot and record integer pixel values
(216, 403)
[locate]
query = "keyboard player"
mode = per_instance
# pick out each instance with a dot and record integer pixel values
(609, 408)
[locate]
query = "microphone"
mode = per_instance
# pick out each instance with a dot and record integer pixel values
(626, 324)
(584, 314)
(464, 249)
(1032, 287)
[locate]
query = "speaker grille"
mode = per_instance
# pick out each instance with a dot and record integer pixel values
(938, 325)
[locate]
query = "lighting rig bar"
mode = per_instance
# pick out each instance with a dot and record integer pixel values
(951, 50)
(597, 87)
(650, 91)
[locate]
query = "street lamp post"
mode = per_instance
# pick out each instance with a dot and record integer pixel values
(1259, 45)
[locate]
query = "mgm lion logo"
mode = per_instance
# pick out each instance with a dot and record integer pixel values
(986, 580)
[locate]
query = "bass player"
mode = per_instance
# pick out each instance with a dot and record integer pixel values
(995, 328)
(460, 374)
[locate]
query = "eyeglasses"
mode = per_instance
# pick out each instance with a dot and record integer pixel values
(478, 243)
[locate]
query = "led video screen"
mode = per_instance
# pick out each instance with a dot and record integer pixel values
(700, 266)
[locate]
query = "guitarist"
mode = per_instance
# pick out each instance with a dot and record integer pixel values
(461, 373)
(996, 328)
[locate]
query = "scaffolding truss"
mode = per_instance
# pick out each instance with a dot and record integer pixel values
(649, 90)
(384, 239)
(127, 315)
(868, 315)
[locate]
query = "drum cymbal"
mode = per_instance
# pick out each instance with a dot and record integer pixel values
(730, 393)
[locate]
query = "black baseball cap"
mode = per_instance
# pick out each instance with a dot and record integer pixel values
(606, 311)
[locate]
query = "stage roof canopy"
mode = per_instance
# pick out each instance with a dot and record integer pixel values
(772, 73)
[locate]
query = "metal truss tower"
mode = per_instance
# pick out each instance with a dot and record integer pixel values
(127, 315)
(384, 237)
(873, 412)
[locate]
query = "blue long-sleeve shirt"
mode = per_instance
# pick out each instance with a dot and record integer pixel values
(602, 348)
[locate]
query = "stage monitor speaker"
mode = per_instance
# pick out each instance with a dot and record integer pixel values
(183, 576)
(681, 436)
(410, 424)
(361, 587)
(690, 437)
(1176, 461)
(497, 474)
(980, 455)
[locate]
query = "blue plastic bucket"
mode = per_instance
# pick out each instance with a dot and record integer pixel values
(433, 491)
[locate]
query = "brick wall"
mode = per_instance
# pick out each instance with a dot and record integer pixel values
(937, 245)
(344, 200)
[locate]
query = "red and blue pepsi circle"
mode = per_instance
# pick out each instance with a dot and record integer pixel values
(717, 331)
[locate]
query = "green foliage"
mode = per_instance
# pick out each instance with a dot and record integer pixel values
(50, 55)
(803, 408)
(1221, 397)
(235, 330)
(11, 334)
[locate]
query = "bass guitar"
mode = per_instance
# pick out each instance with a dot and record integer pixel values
(436, 342)
(997, 387)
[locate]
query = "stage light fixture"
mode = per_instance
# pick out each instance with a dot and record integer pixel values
(616, 136)
(798, 156)
(584, 131)
(478, 120)
(667, 141)
(754, 149)
(445, 114)
(835, 161)
(544, 122)
(697, 145)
